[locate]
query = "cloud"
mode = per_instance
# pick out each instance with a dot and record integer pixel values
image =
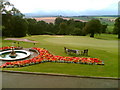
(32, 6)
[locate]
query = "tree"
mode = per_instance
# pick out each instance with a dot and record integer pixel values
(50, 29)
(58, 20)
(75, 27)
(7, 24)
(32, 23)
(116, 29)
(14, 26)
(77, 31)
(58, 26)
(71, 22)
(63, 29)
(79, 24)
(4, 5)
(14, 11)
(12, 20)
(20, 27)
(92, 27)
(104, 28)
(41, 27)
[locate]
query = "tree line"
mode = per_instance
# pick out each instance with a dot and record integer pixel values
(14, 24)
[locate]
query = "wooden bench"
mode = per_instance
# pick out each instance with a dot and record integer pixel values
(78, 52)
(84, 52)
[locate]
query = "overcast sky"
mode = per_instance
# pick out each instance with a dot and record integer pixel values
(67, 7)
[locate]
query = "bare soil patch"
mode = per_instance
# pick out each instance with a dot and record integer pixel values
(48, 19)
(52, 19)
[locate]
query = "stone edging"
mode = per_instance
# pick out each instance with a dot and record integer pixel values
(63, 75)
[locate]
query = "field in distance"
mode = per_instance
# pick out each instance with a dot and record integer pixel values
(52, 19)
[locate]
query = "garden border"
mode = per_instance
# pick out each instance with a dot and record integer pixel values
(56, 74)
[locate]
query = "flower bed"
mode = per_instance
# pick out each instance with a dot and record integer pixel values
(46, 56)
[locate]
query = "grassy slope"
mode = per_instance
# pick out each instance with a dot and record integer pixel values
(106, 50)
(107, 17)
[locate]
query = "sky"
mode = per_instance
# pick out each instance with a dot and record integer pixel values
(67, 7)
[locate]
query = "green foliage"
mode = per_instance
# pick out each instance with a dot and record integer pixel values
(13, 11)
(115, 30)
(41, 27)
(63, 29)
(79, 24)
(69, 27)
(14, 26)
(20, 27)
(104, 28)
(117, 27)
(59, 20)
(3, 7)
(51, 29)
(7, 24)
(31, 26)
(92, 27)
(12, 21)
(77, 31)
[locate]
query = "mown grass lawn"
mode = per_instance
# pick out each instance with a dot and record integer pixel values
(104, 47)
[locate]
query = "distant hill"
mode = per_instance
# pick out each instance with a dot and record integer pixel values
(37, 15)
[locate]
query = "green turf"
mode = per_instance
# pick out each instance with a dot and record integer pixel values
(102, 46)
(106, 36)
